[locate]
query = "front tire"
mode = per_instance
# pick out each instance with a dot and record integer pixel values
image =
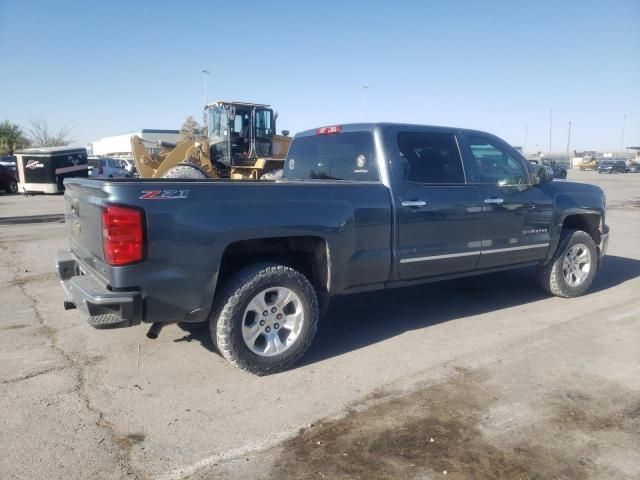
(13, 187)
(573, 267)
(265, 318)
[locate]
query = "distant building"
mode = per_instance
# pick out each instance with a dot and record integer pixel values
(119, 146)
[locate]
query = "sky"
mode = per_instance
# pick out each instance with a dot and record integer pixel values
(113, 67)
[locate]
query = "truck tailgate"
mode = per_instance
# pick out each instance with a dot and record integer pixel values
(83, 219)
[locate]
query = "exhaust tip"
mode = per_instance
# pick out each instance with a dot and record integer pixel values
(154, 330)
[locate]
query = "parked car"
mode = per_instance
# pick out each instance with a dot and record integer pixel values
(633, 167)
(105, 167)
(129, 166)
(10, 162)
(617, 166)
(8, 181)
(360, 207)
(557, 170)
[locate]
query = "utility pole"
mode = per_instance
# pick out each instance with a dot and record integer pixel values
(624, 121)
(569, 145)
(550, 127)
(524, 145)
(204, 82)
(365, 87)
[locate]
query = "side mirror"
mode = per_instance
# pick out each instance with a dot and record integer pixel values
(285, 133)
(543, 175)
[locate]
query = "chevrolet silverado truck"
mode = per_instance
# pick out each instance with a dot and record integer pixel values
(359, 207)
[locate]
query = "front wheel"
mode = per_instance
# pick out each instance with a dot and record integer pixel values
(13, 187)
(573, 267)
(265, 318)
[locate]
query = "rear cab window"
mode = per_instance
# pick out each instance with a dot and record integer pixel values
(346, 156)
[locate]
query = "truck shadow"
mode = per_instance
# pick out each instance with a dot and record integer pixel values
(360, 320)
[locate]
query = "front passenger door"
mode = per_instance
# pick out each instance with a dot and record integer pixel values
(517, 215)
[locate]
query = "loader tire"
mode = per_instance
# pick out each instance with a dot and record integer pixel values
(184, 171)
(264, 318)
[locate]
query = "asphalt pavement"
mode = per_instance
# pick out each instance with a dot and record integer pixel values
(484, 377)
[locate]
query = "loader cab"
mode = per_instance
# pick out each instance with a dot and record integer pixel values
(239, 133)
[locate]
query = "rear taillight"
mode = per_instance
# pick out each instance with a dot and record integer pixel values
(329, 130)
(122, 234)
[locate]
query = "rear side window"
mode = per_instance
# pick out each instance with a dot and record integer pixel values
(430, 157)
(341, 156)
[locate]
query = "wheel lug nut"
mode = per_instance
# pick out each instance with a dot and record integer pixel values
(268, 329)
(265, 313)
(276, 326)
(274, 310)
(262, 323)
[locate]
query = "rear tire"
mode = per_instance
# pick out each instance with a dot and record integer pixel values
(13, 187)
(573, 267)
(184, 171)
(246, 336)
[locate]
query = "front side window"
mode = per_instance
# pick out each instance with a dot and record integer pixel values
(430, 158)
(495, 166)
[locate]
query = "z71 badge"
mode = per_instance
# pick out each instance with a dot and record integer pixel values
(163, 194)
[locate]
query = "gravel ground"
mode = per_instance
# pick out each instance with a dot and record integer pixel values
(485, 377)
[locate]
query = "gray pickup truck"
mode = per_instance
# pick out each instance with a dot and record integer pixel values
(360, 207)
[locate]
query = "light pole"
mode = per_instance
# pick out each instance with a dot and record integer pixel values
(365, 87)
(550, 127)
(569, 145)
(204, 82)
(624, 121)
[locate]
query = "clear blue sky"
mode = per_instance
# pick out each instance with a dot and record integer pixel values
(112, 67)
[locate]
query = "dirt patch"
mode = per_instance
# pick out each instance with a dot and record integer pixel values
(34, 278)
(632, 204)
(13, 327)
(439, 428)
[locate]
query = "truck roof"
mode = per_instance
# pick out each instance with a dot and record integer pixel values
(368, 127)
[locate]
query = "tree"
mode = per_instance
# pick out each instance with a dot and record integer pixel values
(191, 129)
(11, 138)
(42, 135)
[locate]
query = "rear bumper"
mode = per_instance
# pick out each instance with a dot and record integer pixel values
(105, 308)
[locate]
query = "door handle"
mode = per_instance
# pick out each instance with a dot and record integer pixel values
(413, 203)
(496, 200)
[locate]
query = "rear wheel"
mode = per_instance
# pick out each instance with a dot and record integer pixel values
(265, 318)
(12, 187)
(184, 171)
(573, 267)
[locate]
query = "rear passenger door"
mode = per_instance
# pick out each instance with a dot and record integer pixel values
(438, 213)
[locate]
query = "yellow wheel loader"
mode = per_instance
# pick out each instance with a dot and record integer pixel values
(241, 143)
